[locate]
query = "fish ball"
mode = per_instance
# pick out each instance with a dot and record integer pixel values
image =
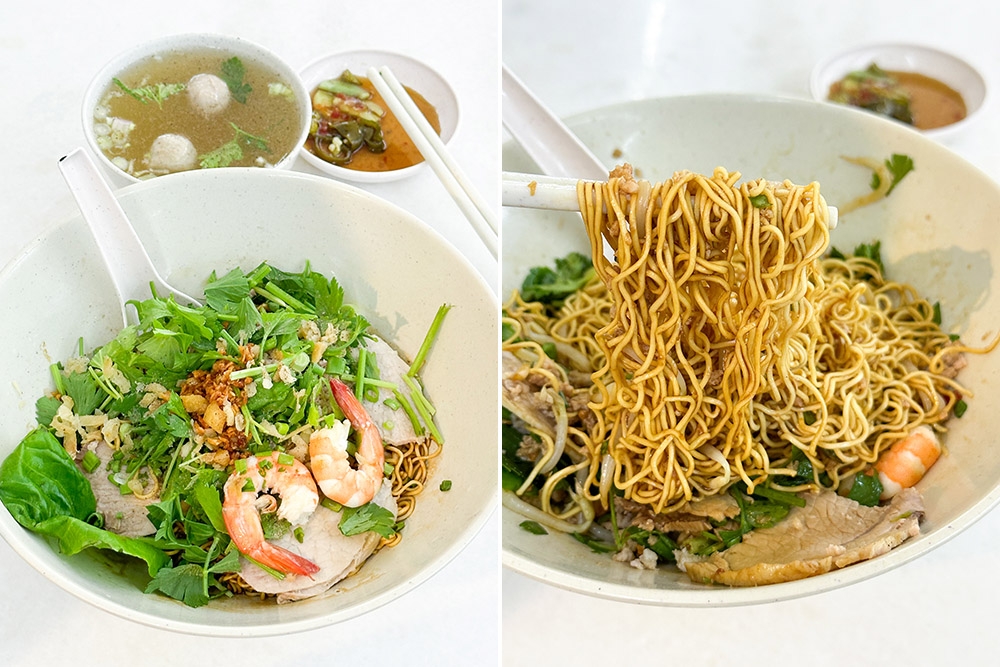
(172, 152)
(208, 94)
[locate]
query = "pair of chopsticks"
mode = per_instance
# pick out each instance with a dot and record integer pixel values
(476, 210)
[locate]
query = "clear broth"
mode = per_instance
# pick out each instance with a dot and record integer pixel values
(275, 118)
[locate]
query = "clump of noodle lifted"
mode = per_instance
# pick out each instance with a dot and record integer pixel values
(718, 347)
(712, 293)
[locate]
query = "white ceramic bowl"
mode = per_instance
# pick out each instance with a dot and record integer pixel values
(395, 269)
(938, 232)
(411, 73)
(945, 67)
(227, 46)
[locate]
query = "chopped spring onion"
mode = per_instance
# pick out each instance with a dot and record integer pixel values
(408, 409)
(90, 461)
(446, 485)
(425, 347)
(299, 533)
(332, 505)
(359, 380)
(960, 407)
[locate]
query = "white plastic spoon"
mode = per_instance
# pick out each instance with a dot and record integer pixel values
(126, 259)
(546, 140)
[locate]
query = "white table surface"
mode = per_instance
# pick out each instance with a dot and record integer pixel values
(937, 610)
(49, 51)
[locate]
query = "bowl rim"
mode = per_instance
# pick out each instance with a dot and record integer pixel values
(22, 541)
(719, 596)
(821, 71)
(177, 41)
(354, 175)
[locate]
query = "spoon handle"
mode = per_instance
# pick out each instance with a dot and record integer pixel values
(553, 147)
(126, 259)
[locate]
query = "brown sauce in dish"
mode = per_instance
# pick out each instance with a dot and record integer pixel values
(932, 103)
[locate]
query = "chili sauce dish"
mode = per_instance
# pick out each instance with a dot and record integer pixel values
(935, 92)
(353, 135)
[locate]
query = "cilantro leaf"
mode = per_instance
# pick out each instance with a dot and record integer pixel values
(183, 582)
(533, 527)
(899, 166)
(368, 517)
(251, 140)
(222, 293)
(223, 156)
(46, 408)
(866, 489)
(85, 392)
(248, 320)
(232, 73)
(153, 93)
(549, 286)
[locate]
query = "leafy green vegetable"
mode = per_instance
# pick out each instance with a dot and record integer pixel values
(866, 489)
(760, 201)
(533, 527)
(86, 394)
(39, 481)
(871, 251)
(446, 485)
(755, 512)
(263, 311)
(46, 408)
(153, 93)
(368, 517)
(803, 470)
(960, 407)
(507, 331)
(233, 73)
(228, 292)
(273, 526)
(551, 286)
(597, 546)
(223, 156)
(182, 582)
(656, 540)
(45, 492)
(515, 470)
(899, 166)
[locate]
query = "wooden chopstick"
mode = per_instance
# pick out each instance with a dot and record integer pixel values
(476, 210)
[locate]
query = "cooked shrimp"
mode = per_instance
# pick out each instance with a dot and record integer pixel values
(906, 461)
(351, 487)
(282, 475)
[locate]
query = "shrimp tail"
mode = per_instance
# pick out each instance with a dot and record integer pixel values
(349, 403)
(283, 560)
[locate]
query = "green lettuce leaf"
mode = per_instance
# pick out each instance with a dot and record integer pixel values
(45, 492)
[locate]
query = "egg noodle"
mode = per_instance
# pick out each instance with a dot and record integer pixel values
(719, 342)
